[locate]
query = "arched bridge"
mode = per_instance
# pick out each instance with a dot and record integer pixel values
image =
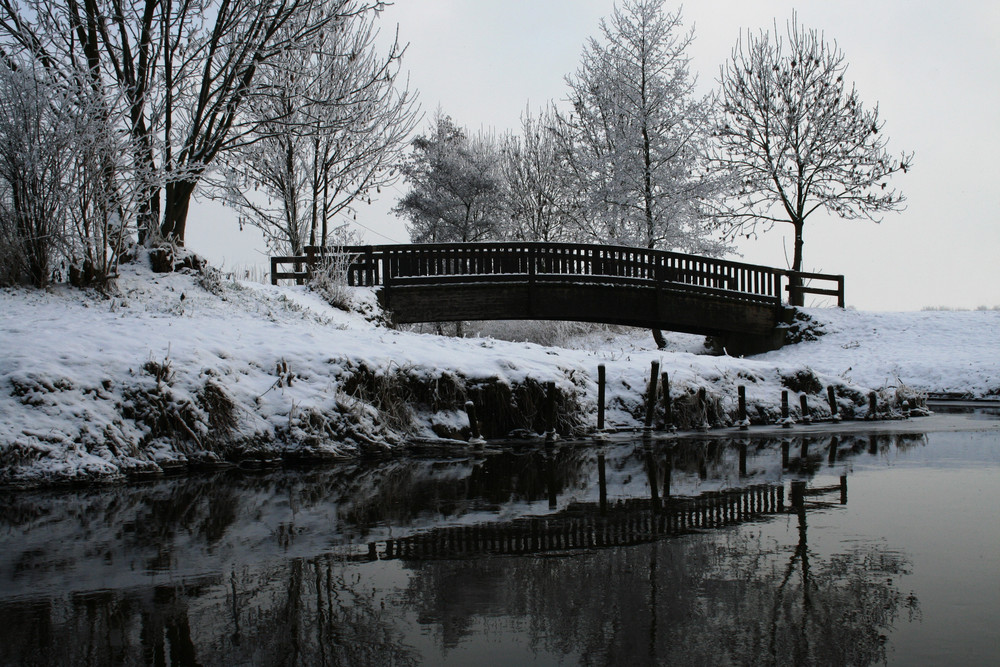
(739, 303)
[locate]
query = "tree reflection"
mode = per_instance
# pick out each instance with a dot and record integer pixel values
(735, 597)
(121, 575)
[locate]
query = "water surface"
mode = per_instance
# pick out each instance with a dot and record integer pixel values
(846, 548)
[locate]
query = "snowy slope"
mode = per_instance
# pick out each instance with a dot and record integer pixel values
(94, 386)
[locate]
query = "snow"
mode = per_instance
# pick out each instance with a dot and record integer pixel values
(88, 381)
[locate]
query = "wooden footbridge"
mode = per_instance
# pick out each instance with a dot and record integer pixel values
(741, 304)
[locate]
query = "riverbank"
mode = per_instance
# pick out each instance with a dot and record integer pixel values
(189, 369)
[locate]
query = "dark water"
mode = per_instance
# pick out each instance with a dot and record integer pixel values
(848, 549)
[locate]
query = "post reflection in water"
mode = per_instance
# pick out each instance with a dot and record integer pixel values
(568, 552)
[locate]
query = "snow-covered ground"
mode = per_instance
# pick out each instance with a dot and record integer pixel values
(182, 368)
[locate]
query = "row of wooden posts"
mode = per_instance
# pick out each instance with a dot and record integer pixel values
(659, 386)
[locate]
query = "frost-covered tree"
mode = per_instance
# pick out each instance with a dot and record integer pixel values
(455, 186)
(329, 127)
(535, 191)
(67, 186)
(635, 140)
(179, 74)
(797, 139)
(35, 153)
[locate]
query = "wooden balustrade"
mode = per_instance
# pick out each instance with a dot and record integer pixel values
(442, 263)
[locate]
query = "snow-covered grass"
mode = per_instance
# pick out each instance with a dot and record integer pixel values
(186, 368)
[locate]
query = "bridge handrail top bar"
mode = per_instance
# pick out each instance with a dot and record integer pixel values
(808, 275)
(529, 245)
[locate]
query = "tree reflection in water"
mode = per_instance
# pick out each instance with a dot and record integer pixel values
(224, 570)
(733, 597)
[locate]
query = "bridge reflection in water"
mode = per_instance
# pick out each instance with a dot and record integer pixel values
(625, 523)
(634, 555)
(737, 302)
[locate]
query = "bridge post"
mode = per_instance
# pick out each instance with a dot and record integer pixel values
(386, 268)
(369, 266)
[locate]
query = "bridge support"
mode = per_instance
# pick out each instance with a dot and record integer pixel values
(739, 326)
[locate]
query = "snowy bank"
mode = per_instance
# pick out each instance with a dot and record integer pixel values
(188, 368)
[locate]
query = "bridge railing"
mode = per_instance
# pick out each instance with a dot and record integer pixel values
(441, 263)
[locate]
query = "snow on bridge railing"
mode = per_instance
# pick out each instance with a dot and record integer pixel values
(423, 264)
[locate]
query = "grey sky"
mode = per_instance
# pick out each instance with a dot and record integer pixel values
(932, 67)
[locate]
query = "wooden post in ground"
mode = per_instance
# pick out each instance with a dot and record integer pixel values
(831, 397)
(843, 489)
(742, 410)
(550, 411)
(601, 382)
(786, 422)
(654, 373)
(872, 405)
(804, 407)
(703, 408)
(668, 416)
(470, 409)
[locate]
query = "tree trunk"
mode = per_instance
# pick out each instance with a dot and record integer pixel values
(178, 199)
(795, 297)
(149, 215)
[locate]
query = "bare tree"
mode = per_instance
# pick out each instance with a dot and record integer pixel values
(330, 124)
(636, 138)
(797, 139)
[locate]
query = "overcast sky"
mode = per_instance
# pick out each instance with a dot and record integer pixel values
(932, 67)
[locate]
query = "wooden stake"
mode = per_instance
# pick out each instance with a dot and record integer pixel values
(654, 372)
(668, 416)
(470, 409)
(742, 411)
(601, 381)
(831, 397)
